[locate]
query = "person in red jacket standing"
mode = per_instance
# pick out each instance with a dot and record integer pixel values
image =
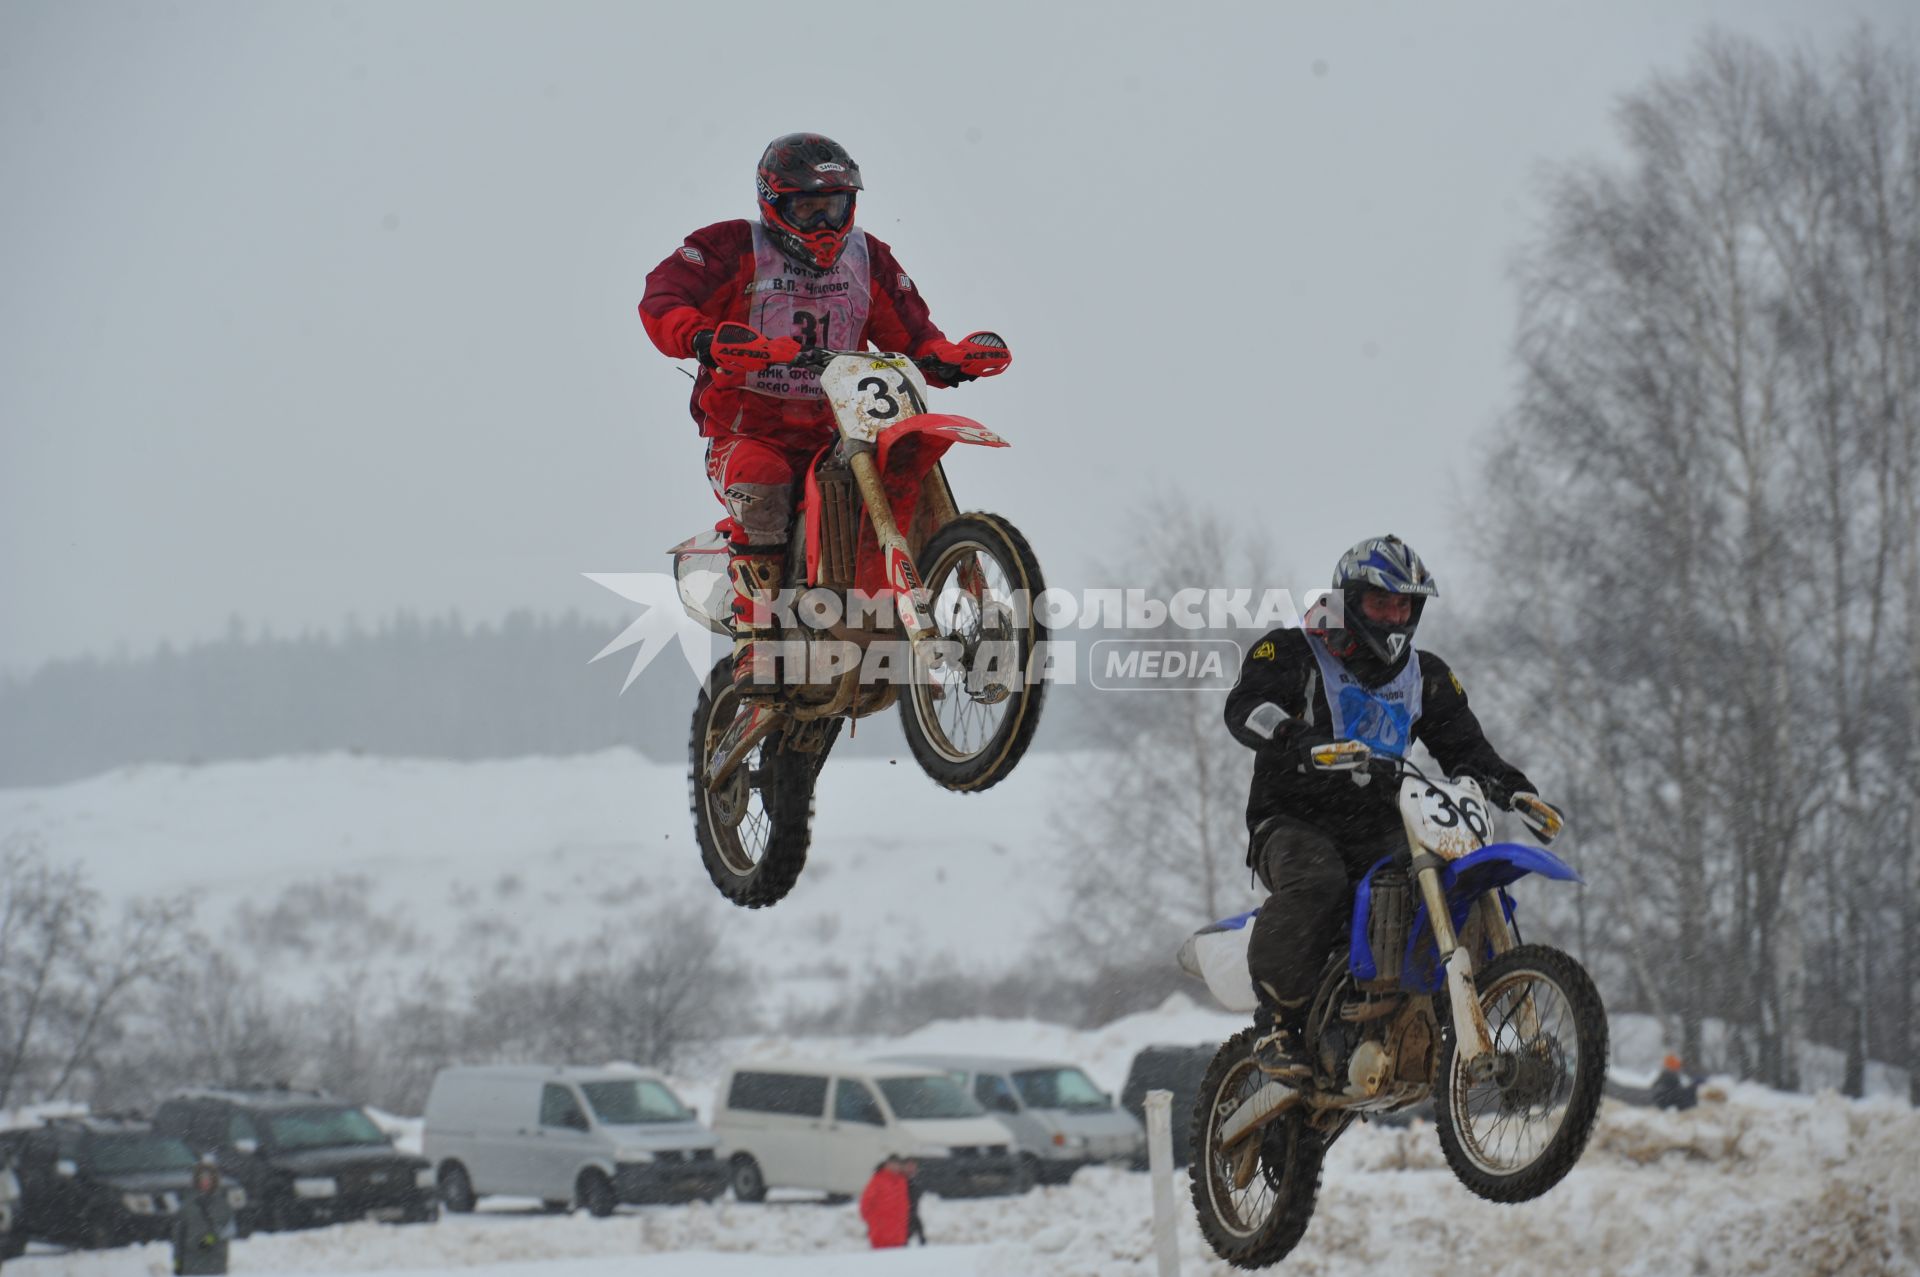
(887, 1203)
(743, 298)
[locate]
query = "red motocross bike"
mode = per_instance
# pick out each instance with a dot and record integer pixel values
(892, 595)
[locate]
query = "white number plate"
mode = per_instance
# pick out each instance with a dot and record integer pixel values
(870, 393)
(1449, 820)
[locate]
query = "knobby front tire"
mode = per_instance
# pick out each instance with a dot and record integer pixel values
(968, 727)
(1514, 1136)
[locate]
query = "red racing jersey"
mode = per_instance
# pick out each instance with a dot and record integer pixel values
(717, 276)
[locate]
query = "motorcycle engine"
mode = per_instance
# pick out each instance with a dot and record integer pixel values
(1359, 1054)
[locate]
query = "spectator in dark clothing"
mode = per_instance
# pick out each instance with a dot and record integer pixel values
(915, 1229)
(1674, 1088)
(203, 1227)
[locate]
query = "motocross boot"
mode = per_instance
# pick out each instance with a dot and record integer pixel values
(756, 578)
(1280, 1051)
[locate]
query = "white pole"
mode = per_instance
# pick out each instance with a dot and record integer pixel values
(1166, 1247)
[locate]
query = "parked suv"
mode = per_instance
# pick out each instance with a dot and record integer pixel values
(1179, 1069)
(1060, 1121)
(592, 1137)
(826, 1125)
(13, 1221)
(304, 1158)
(100, 1181)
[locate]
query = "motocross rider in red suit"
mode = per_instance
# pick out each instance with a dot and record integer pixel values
(743, 298)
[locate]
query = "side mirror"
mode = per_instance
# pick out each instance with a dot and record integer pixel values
(66, 1167)
(1341, 756)
(249, 1147)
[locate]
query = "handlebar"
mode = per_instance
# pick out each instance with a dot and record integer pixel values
(821, 356)
(1353, 755)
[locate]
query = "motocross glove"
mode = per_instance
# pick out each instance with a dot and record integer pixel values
(1538, 815)
(739, 348)
(703, 347)
(978, 354)
(1291, 741)
(1496, 793)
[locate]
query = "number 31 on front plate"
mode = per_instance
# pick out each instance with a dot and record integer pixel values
(869, 395)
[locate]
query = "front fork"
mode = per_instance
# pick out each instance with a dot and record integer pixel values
(902, 576)
(1473, 1041)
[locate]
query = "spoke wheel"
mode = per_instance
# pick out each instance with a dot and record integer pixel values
(1515, 1134)
(754, 830)
(969, 721)
(1255, 1198)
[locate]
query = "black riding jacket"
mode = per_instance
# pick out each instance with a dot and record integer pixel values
(1280, 670)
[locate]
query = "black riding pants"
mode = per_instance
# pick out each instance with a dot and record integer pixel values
(1311, 875)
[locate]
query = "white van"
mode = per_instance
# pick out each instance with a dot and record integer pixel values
(1059, 1118)
(568, 1136)
(826, 1125)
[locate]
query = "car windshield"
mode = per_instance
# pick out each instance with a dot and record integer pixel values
(321, 1128)
(1059, 1089)
(632, 1101)
(917, 1097)
(126, 1154)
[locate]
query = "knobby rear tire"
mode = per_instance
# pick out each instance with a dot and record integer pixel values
(1290, 1160)
(759, 875)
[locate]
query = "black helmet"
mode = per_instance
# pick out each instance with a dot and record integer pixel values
(806, 184)
(1375, 650)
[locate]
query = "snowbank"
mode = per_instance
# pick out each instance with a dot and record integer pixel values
(1760, 1186)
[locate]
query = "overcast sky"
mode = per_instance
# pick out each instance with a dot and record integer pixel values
(326, 309)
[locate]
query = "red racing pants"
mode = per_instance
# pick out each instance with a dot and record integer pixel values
(753, 477)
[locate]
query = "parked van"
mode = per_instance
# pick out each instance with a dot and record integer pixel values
(827, 1125)
(568, 1136)
(1060, 1120)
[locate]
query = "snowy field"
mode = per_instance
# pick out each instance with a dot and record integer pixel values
(530, 852)
(1760, 1185)
(468, 860)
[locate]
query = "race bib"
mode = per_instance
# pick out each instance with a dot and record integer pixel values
(815, 308)
(1381, 718)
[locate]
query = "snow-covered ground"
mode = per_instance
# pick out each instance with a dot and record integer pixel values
(1761, 1185)
(539, 851)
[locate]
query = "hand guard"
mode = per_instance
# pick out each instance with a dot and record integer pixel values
(1538, 815)
(978, 354)
(739, 348)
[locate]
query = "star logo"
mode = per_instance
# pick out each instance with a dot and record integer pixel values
(663, 619)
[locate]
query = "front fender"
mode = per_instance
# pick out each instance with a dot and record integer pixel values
(1498, 864)
(1464, 881)
(944, 427)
